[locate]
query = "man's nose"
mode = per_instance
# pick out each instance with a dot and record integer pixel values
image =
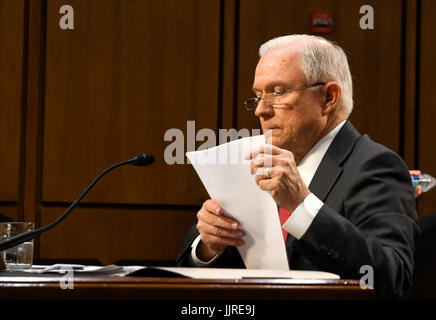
(264, 109)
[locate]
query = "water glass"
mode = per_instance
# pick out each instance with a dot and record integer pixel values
(20, 256)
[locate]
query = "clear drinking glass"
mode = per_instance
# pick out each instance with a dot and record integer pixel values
(20, 256)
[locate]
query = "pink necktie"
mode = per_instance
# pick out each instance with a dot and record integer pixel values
(284, 215)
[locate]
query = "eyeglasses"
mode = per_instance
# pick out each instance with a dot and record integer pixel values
(274, 98)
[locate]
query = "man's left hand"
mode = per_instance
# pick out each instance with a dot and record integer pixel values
(275, 171)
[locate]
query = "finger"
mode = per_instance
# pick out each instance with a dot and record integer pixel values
(269, 184)
(265, 161)
(212, 206)
(415, 172)
(220, 242)
(217, 220)
(219, 232)
(263, 149)
(262, 174)
(418, 191)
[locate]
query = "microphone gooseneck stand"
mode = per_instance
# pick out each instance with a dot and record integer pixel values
(140, 160)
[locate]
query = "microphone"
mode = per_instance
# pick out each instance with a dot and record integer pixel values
(140, 160)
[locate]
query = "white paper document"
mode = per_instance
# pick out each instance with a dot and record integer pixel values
(227, 178)
(225, 273)
(77, 268)
(194, 273)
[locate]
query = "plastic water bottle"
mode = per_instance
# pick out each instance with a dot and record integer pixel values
(426, 181)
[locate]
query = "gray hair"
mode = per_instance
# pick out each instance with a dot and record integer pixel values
(322, 61)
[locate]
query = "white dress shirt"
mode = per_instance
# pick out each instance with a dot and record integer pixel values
(300, 220)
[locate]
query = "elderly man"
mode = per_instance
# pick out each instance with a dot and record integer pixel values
(345, 201)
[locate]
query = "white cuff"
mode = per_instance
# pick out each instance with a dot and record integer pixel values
(196, 261)
(303, 215)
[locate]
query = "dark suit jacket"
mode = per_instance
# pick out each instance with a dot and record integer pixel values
(368, 218)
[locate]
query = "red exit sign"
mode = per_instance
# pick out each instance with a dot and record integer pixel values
(322, 22)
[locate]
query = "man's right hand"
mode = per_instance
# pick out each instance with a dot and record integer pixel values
(216, 231)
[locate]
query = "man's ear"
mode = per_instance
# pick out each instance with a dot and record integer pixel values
(332, 95)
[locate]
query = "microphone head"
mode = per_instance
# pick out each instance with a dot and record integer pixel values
(143, 159)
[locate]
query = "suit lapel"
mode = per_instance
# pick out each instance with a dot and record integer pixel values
(330, 169)
(325, 178)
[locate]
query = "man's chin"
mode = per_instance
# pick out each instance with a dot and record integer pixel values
(279, 143)
(271, 136)
(275, 141)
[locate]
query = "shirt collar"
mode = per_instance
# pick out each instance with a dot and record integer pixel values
(310, 162)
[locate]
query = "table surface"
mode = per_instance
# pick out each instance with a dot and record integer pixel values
(55, 286)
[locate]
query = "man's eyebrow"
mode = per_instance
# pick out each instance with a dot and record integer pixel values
(272, 85)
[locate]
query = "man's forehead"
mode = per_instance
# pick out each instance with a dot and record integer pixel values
(278, 66)
(282, 54)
